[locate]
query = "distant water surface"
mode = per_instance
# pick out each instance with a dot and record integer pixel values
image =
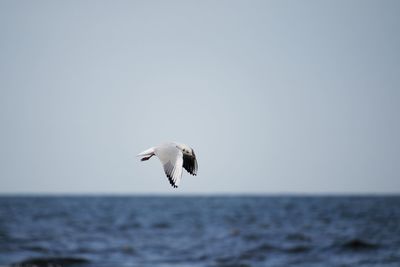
(199, 231)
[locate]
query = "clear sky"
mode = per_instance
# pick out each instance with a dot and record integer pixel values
(274, 96)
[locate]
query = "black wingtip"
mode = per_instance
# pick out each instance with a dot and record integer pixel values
(171, 181)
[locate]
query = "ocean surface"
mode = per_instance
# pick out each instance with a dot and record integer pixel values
(199, 231)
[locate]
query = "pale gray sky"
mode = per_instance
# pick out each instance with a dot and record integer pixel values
(274, 96)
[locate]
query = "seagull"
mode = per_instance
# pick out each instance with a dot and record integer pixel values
(173, 157)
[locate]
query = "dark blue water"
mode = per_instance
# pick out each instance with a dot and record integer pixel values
(199, 231)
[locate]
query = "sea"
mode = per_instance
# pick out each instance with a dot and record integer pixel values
(215, 231)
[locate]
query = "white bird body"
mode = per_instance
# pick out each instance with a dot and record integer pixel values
(174, 157)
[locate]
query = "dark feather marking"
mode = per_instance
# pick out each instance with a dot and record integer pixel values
(147, 158)
(168, 168)
(189, 163)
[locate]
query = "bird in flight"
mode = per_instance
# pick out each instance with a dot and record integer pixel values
(174, 157)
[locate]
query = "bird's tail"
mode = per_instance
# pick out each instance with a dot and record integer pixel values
(147, 154)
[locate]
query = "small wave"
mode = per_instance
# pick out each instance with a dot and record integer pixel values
(297, 249)
(252, 237)
(233, 265)
(127, 249)
(125, 227)
(358, 245)
(161, 225)
(35, 248)
(50, 262)
(257, 253)
(297, 237)
(229, 262)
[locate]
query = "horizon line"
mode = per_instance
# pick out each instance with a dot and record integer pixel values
(197, 194)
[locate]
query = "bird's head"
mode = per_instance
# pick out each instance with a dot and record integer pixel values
(186, 149)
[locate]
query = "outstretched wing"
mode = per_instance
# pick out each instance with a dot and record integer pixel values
(190, 163)
(172, 161)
